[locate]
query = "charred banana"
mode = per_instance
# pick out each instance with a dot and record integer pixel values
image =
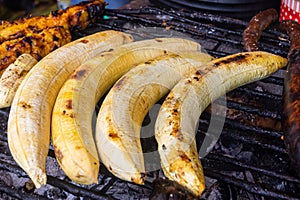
(30, 114)
(124, 108)
(12, 78)
(84, 89)
(179, 114)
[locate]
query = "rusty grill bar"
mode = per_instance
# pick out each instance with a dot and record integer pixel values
(249, 160)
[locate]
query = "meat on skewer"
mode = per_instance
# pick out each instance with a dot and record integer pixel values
(291, 106)
(40, 35)
(257, 24)
(37, 44)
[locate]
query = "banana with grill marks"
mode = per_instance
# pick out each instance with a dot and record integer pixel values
(84, 89)
(124, 108)
(30, 114)
(12, 78)
(179, 114)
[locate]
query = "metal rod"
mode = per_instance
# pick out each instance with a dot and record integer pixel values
(250, 187)
(232, 161)
(76, 190)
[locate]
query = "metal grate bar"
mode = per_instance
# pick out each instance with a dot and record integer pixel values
(233, 124)
(187, 25)
(242, 137)
(232, 161)
(250, 187)
(13, 194)
(273, 80)
(246, 137)
(261, 94)
(253, 110)
(76, 190)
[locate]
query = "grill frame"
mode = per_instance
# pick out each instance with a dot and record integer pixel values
(214, 35)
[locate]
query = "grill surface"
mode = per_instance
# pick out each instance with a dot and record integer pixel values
(232, 8)
(248, 161)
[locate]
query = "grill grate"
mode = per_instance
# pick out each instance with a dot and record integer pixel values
(249, 158)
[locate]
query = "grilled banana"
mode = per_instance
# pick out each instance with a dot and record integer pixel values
(13, 76)
(30, 114)
(177, 118)
(124, 108)
(84, 89)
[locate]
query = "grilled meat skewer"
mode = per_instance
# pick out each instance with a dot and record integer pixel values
(4, 23)
(257, 24)
(291, 108)
(36, 44)
(292, 28)
(40, 35)
(77, 16)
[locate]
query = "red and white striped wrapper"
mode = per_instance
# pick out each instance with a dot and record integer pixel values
(290, 10)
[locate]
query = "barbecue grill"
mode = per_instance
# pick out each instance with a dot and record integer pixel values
(242, 9)
(248, 161)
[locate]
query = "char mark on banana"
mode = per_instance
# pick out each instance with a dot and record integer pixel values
(79, 74)
(235, 58)
(12, 78)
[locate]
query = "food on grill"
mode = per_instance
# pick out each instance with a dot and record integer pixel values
(291, 108)
(94, 78)
(12, 78)
(74, 17)
(4, 23)
(74, 147)
(293, 30)
(179, 114)
(125, 106)
(41, 34)
(36, 44)
(30, 114)
(257, 24)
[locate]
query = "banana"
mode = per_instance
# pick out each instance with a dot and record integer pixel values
(12, 77)
(30, 114)
(125, 106)
(84, 88)
(179, 114)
